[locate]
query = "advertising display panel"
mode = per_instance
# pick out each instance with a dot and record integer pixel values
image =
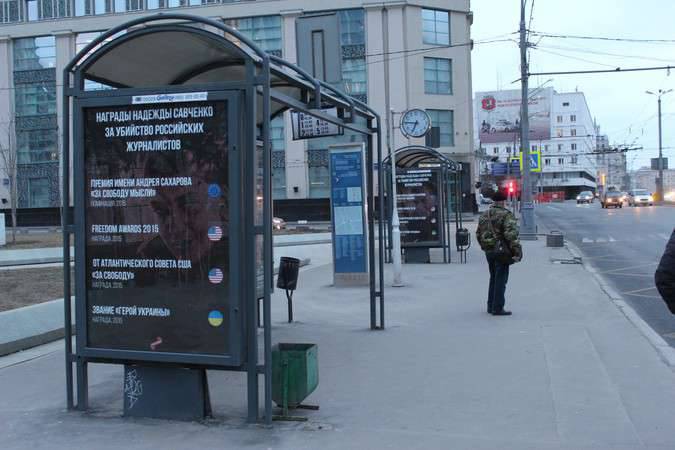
(498, 115)
(418, 203)
(157, 225)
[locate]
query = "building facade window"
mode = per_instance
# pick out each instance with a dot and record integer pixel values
(573, 146)
(559, 132)
(352, 43)
(561, 161)
(435, 27)
(444, 119)
(437, 76)
(34, 53)
(36, 124)
(354, 83)
(278, 158)
(9, 11)
(573, 132)
(573, 118)
(495, 151)
(547, 161)
(559, 119)
(566, 104)
(38, 192)
(560, 147)
(265, 31)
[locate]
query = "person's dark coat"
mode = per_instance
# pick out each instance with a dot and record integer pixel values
(665, 275)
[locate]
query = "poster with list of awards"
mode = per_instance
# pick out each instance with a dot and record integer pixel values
(418, 207)
(156, 225)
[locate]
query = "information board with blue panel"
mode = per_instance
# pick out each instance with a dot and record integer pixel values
(350, 264)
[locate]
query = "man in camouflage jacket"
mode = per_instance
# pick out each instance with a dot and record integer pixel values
(498, 223)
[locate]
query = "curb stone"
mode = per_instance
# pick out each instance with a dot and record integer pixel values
(665, 351)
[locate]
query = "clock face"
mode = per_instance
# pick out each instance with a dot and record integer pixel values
(415, 123)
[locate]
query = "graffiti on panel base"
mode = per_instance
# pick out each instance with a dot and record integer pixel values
(133, 387)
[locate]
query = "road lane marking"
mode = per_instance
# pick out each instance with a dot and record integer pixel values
(600, 240)
(640, 290)
(639, 275)
(587, 241)
(554, 208)
(664, 236)
(611, 239)
(630, 267)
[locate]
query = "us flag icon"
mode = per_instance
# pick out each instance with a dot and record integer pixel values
(215, 233)
(215, 276)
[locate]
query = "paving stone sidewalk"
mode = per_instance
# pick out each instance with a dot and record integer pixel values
(567, 371)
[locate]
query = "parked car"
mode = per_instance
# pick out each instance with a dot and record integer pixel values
(638, 197)
(611, 198)
(585, 197)
(278, 223)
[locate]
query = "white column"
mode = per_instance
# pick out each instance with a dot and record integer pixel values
(65, 51)
(296, 161)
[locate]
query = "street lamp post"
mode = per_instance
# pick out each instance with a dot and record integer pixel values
(659, 182)
(395, 222)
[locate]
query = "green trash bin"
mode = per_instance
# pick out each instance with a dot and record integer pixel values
(295, 374)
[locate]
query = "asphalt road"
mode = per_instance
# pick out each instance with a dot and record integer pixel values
(625, 246)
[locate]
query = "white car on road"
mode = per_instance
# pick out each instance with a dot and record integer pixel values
(638, 197)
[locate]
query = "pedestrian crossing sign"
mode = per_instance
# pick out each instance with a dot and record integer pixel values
(535, 161)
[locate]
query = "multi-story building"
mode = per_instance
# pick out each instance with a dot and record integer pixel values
(645, 178)
(561, 127)
(394, 55)
(611, 166)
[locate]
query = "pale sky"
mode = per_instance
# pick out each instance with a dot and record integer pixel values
(617, 100)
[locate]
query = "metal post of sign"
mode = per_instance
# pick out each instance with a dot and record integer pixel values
(66, 227)
(395, 223)
(250, 176)
(267, 238)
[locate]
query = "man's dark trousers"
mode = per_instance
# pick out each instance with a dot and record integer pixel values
(499, 276)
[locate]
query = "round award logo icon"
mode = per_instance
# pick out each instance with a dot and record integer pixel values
(215, 276)
(215, 318)
(215, 233)
(214, 191)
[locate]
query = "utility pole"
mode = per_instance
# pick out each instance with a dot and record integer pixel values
(659, 181)
(528, 227)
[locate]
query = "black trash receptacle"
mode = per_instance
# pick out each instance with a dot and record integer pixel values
(288, 273)
(288, 280)
(462, 238)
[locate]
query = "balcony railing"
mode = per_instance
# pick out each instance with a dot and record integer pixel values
(17, 11)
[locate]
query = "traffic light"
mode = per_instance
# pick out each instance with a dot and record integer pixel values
(512, 188)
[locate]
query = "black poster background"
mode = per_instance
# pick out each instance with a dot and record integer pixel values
(418, 206)
(175, 224)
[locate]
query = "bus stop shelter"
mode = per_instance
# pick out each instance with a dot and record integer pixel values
(427, 176)
(166, 131)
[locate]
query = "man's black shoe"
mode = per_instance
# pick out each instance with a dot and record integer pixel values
(501, 313)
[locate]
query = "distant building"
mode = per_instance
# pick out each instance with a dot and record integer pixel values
(645, 178)
(611, 167)
(561, 126)
(38, 39)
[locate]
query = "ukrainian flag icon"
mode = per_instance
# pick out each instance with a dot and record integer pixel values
(215, 318)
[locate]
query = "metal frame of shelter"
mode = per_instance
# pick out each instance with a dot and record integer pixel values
(411, 157)
(216, 59)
